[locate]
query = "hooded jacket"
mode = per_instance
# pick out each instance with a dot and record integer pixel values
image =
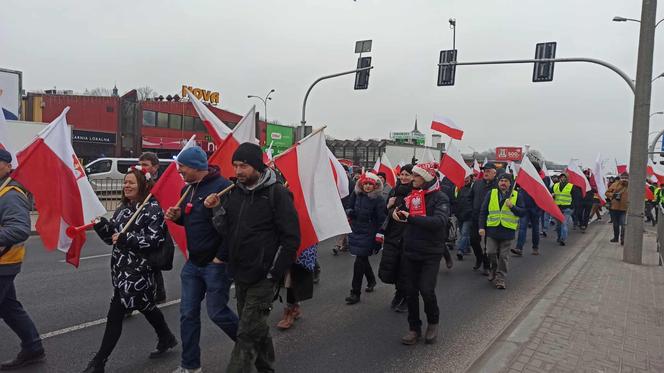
(480, 189)
(462, 205)
(367, 213)
(203, 242)
(388, 270)
(261, 229)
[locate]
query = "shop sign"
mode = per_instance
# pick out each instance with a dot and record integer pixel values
(202, 94)
(93, 137)
(508, 153)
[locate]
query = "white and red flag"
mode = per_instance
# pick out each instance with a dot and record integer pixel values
(397, 169)
(454, 167)
(50, 170)
(306, 167)
(167, 192)
(577, 177)
(245, 131)
(383, 164)
(477, 171)
(447, 126)
(486, 160)
(215, 127)
(597, 174)
(532, 183)
(4, 139)
(620, 168)
(340, 177)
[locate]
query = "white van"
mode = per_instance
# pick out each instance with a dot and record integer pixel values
(107, 174)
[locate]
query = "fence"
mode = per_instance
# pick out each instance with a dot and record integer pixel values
(109, 192)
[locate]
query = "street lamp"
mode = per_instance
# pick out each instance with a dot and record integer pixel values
(264, 100)
(658, 76)
(656, 113)
(623, 19)
(452, 22)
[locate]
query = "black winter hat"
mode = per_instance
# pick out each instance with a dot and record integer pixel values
(250, 154)
(507, 176)
(408, 168)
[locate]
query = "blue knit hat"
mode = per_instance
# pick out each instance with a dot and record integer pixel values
(194, 157)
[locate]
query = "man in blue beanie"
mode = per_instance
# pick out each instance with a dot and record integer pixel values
(204, 274)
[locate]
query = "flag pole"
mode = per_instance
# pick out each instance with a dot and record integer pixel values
(183, 195)
(138, 210)
(299, 142)
(226, 190)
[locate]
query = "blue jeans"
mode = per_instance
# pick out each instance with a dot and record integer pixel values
(562, 228)
(532, 216)
(546, 220)
(212, 283)
(463, 242)
(16, 318)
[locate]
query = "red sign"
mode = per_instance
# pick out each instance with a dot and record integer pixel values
(508, 153)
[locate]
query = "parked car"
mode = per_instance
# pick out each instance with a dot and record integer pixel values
(107, 174)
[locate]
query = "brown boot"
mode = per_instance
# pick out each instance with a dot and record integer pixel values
(286, 320)
(411, 338)
(500, 283)
(431, 334)
(297, 313)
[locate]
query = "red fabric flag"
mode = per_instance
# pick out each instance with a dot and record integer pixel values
(447, 126)
(454, 167)
(577, 177)
(532, 183)
(245, 131)
(215, 127)
(650, 196)
(383, 165)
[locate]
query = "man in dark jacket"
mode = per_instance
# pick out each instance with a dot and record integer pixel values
(532, 216)
(462, 208)
(262, 234)
(14, 231)
(427, 214)
(499, 218)
(204, 274)
(478, 192)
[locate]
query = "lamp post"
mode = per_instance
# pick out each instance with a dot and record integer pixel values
(623, 19)
(452, 22)
(264, 100)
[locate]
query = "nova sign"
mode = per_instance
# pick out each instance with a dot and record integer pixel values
(202, 94)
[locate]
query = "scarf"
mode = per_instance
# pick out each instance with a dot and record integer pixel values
(415, 202)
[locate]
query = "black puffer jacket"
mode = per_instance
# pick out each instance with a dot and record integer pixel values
(388, 269)
(425, 236)
(367, 213)
(462, 206)
(262, 236)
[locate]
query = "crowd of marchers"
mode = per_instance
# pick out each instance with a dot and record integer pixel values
(245, 231)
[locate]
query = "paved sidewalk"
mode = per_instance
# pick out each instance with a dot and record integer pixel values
(599, 315)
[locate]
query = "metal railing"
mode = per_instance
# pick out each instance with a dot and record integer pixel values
(109, 192)
(660, 232)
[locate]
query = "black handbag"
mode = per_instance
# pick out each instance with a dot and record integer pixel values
(162, 258)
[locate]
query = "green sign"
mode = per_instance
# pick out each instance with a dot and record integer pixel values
(418, 138)
(281, 137)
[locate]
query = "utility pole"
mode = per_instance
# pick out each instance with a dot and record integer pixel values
(638, 158)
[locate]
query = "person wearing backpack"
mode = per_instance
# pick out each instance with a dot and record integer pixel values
(132, 276)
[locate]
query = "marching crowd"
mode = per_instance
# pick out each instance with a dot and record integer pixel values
(246, 232)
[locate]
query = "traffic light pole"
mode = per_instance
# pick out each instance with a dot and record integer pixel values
(303, 122)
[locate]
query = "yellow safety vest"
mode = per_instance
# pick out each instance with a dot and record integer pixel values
(15, 254)
(502, 216)
(562, 197)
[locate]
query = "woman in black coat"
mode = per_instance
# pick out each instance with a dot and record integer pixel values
(131, 275)
(389, 270)
(367, 213)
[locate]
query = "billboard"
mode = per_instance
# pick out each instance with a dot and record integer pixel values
(10, 93)
(508, 153)
(281, 137)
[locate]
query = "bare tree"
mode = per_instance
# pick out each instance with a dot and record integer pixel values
(146, 92)
(99, 91)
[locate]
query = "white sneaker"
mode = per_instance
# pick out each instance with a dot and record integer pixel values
(185, 370)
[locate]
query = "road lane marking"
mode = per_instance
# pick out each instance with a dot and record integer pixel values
(88, 257)
(88, 324)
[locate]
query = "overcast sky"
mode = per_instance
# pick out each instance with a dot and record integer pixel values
(247, 47)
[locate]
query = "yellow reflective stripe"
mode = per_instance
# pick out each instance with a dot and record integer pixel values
(562, 197)
(14, 255)
(501, 216)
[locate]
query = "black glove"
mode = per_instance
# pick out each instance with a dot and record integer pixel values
(101, 225)
(121, 242)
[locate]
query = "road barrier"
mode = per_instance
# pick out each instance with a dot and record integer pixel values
(109, 192)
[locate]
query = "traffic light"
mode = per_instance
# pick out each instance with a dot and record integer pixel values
(543, 71)
(362, 77)
(446, 72)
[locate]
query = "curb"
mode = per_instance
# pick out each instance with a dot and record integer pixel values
(499, 351)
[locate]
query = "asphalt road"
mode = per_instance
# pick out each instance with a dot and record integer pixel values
(330, 337)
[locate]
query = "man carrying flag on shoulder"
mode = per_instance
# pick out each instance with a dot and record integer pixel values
(14, 231)
(562, 195)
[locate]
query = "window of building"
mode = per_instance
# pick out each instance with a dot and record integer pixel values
(149, 118)
(175, 121)
(198, 125)
(188, 123)
(162, 120)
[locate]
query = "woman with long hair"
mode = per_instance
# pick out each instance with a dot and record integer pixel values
(131, 274)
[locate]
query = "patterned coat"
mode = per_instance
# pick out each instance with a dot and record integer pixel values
(132, 277)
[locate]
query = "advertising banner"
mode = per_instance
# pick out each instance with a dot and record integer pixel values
(508, 153)
(281, 137)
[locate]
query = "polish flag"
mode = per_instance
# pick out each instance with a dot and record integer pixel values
(340, 177)
(215, 127)
(486, 160)
(447, 126)
(454, 167)
(50, 170)
(267, 154)
(600, 181)
(658, 173)
(4, 139)
(621, 168)
(476, 169)
(576, 177)
(383, 164)
(167, 192)
(532, 183)
(306, 166)
(397, 169)
(245, 131)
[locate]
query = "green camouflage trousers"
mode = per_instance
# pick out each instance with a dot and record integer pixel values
(254, 343)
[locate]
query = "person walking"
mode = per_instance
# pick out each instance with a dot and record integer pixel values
(618, 194)
(367, 213)
(426, 214)
(150, 162)
(390, 269)
(462, 208)
(14, 231)
(299, 284)
(262, 234)
(132, 275)
(387, 189)
(531, 217)
(479, 191)
(562, 195)
(499, 219)
(204, 274)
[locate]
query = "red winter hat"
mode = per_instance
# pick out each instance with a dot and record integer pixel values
(426, 170)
